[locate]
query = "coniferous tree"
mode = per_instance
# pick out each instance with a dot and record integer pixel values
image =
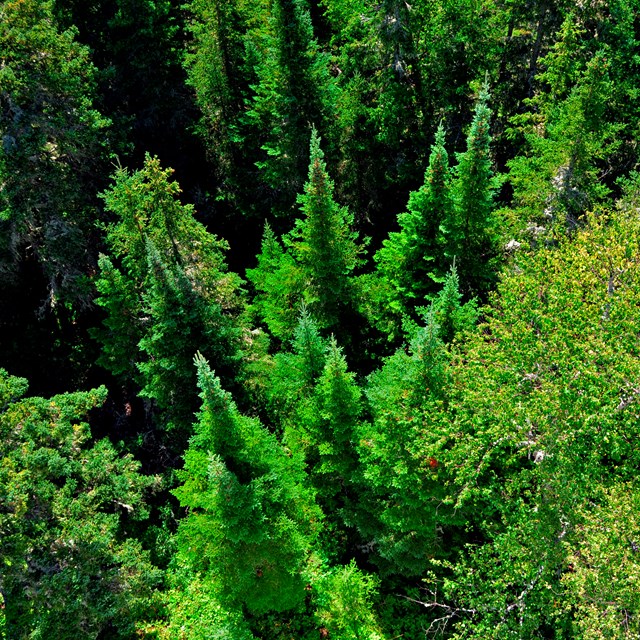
(220, 70)
(317, 266)
(51, 150)
(252, 519)
(324, 244)
(401, 512)
(293, 89)
(179, 321)
(279, 286)
(470, 230)
(69, 569)
(332, 427)
(453, 317)
(169, 296)
(412, 259)
(260, 80)
(290, 378)
(559, 177)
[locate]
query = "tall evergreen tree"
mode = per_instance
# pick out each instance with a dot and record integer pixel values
(220, 70)
(179, 322)
(279, 286)
(470, 231)
(412, 260)
(400, 515)
(51, 150)
(317, 266)
(332, 430)
(252, 519)
(570, 139)
(324, 244)
(260, 79)
(169, 295)
(293, 89)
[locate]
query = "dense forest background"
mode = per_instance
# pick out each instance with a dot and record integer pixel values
(319, 319)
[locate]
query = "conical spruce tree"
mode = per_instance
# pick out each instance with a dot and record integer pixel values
(252, 516)
(412, 260)
(293, 87)
(324, 244)
(333, 429)
(453, 317)
(317, 264)
(470, 232)
(166, 293)
(401, 513)
(179, 322)
(293, 374)
(279, 286)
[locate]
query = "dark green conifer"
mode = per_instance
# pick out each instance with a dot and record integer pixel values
(252, 519)
(169, 296)
(401, 507)
(316, 267)
(412, 260)
(324, 244)
(470, 230)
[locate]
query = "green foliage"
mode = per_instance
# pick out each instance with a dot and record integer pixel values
(252, 519)
(195, 612)
(69, 569)
(279, 287)
(51, 149)
(412, 259)
(482, 481)
(171, 295)
(470, 230)
(453, 317)
(345, 599)
(293, 375)
(324, 244)
(603, 569)
(180, 320)
(401, 509)
(260, 79)
(544, 412)
(317, 265)
(338, 409)
(559, 179)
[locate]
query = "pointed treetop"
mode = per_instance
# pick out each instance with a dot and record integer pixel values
(214, 397)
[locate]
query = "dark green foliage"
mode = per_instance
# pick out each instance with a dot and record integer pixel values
(400, 512)
(261, 81)
(69, 569)
(324, 244)
(170, 297)
(317, 264)
(179, 320)
(400, 461)
(252, 519)
(470, 233)
(412, 260)
(50, 151)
